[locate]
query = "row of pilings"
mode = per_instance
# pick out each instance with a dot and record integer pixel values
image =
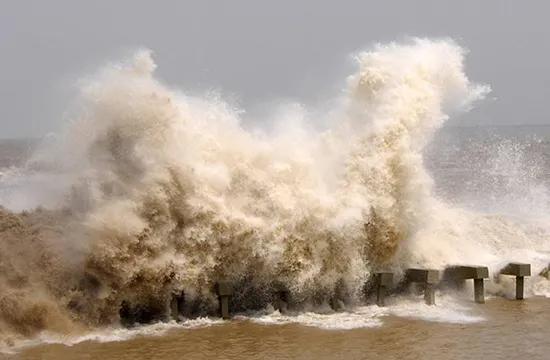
(381, 284)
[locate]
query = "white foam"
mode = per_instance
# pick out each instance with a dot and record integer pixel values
(121, 334)
(360, 317)
(447, 310)
(111, 334)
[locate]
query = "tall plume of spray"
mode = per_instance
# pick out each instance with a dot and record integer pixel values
(163, 192)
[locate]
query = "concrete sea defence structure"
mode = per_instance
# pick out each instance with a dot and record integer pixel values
(457, 275)
(520, 271)
(428, 279)
(224, 290)
(384, 282)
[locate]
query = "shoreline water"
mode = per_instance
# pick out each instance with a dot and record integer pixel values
(510, 328)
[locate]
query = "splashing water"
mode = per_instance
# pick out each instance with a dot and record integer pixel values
(151, 192)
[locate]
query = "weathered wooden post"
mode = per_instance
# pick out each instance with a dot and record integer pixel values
(461, 273)
(428, 278)
(518, 270)
(225, 290)
(384, 281)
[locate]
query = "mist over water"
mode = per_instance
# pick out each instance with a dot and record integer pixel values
(493, 169)
(150, 192)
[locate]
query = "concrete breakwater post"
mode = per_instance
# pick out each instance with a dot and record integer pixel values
(428, 278)
(384, 281)
(177, 304)
(519, 270)
(224, 290)
(281, 297)
(479, 290)
(281, 301)
(461, 273)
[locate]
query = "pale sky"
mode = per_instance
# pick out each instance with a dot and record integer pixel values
(260, 52)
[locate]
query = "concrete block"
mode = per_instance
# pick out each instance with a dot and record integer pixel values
(427, 276)
(459, 274)
(281, 300)
(517, 269)
(479, 291)
(465, 272)
(481, 272)
(177, 303)
(381, 296)
(384, 280)
(429, 294)
(340, 296)
(545, 272)
(224, 307)
(519, 287)
(174, 308)
(224, 288)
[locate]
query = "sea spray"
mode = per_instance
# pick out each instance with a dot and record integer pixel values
(157, 192)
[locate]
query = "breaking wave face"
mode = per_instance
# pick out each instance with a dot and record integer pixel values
(151, 192)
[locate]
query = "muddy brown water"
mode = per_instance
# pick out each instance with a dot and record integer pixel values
(512, 329)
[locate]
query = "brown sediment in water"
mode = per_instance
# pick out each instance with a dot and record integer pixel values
(511, 329)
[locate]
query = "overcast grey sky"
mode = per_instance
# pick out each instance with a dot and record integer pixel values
(258, 51)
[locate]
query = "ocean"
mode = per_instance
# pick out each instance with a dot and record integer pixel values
(149, 194)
